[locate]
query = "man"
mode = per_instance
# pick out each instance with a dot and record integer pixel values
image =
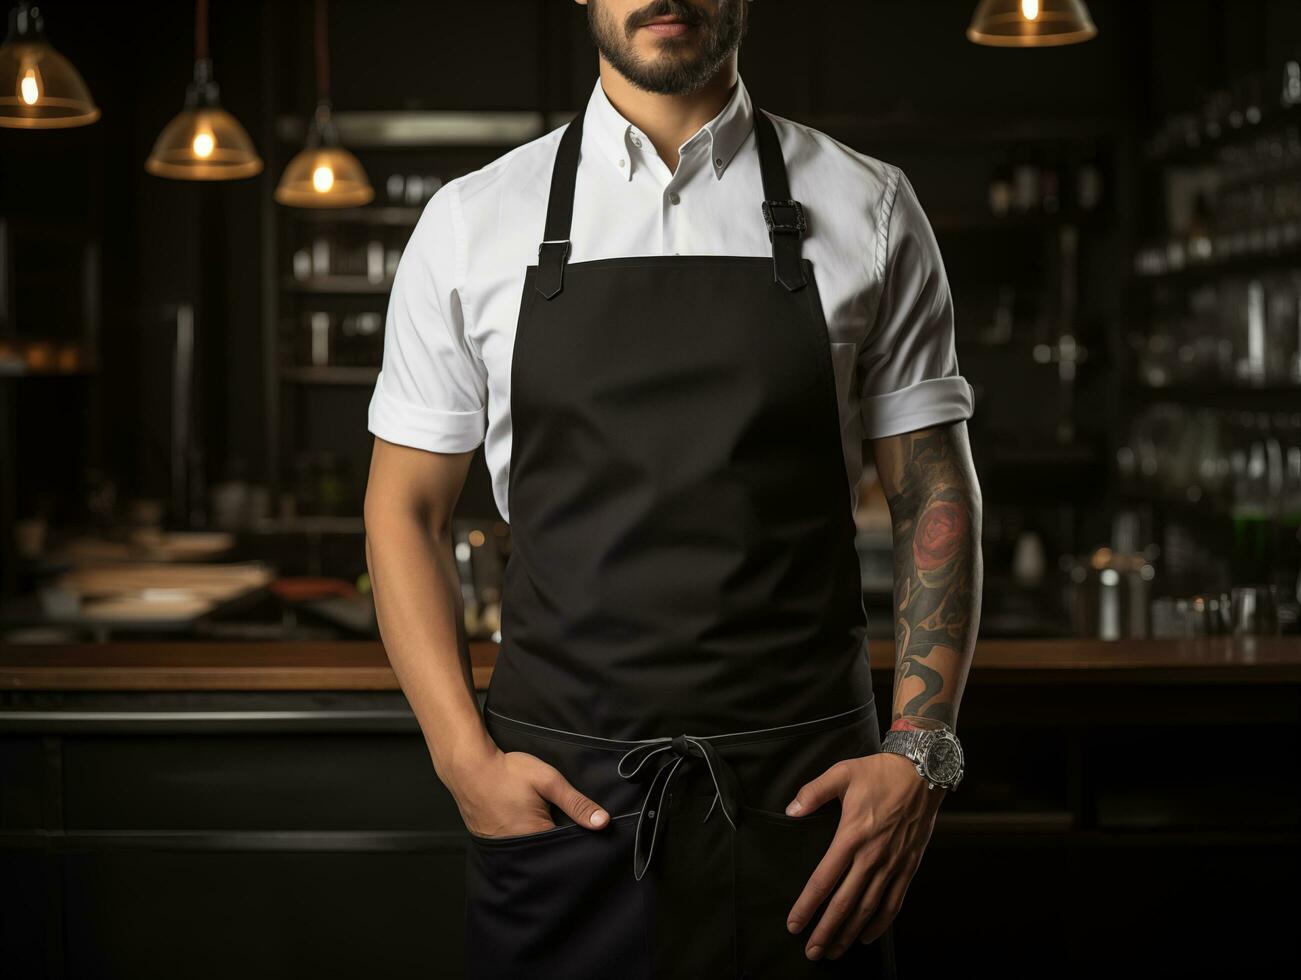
(676, 323)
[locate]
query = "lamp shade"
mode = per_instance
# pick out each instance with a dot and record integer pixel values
(324, 177)
(39, 88)
(204, 144)
(1031, 23)
(203, 141)
(324, 174)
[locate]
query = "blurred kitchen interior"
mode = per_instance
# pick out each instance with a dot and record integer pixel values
(185, 365)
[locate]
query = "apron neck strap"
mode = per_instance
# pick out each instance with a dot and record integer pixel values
(783, 216)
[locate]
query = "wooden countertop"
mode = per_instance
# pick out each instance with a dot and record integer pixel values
(363, 666)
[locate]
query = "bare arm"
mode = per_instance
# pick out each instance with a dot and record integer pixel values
(930, 483)
(887, 810)
(410, 497)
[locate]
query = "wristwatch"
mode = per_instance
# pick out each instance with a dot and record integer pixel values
(937, 753)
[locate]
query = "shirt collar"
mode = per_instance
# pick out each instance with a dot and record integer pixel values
(724, 133)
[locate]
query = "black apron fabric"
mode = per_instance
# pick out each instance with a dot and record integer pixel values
(683, 632)
(713, 901)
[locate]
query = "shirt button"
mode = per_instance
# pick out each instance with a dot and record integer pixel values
(673, 197)
(636, 141)
(622, 161)
(718, 162)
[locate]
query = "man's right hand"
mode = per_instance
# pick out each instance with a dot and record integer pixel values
(507, 794)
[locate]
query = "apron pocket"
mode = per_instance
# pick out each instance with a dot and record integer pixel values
(550, 833)
(775, 856)
(559, 903)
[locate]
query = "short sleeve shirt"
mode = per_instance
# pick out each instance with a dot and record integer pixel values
(444, 383)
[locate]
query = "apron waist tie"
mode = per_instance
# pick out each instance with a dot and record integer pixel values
(677, 750)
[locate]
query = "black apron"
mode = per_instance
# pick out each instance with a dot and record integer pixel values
(683, 631)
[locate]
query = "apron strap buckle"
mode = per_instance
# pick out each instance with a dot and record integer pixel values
(786, 224)
(784, 216)
(552, 254)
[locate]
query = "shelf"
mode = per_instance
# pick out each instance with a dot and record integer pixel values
(307, 524)
(358, 285)
(1050, 456)
(1223, 394)
(510, 127)
(1209, 150)
(965, 129)
(1031, 221)
(1286, 255)
(332, 375)
(1203, 509)
(392, 216)
(1249, 179)
(397, 128)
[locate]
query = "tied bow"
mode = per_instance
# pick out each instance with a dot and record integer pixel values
(679, 749)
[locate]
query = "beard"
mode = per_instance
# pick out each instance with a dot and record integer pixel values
(685, 64)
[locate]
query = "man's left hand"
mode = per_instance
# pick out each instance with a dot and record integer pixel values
(888, 813)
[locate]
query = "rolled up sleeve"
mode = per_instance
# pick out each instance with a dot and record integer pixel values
(431, 392)
(908, 363)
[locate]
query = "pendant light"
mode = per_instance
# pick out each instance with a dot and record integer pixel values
(1031, 23)
(39, 88)
(323, 174)
(203, 141)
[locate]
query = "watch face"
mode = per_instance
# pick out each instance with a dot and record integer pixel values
(944, 760)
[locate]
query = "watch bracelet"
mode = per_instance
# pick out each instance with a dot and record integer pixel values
(909, 740)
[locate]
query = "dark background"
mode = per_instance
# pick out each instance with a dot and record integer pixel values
(1109, 826)
(894, 78)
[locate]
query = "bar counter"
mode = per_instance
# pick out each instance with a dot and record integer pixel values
(274, 806)
(363, 666)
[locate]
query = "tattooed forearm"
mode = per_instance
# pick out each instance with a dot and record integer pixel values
(935, 509)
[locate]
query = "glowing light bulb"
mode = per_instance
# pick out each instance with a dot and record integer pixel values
(322, 178)
(29, 87)
(204, 144)
(1030, 9)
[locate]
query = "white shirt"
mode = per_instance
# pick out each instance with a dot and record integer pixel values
(444, 384)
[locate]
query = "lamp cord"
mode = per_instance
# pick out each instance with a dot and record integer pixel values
(200, 30)
(322, 55)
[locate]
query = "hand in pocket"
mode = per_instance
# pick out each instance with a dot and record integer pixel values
(509, 795)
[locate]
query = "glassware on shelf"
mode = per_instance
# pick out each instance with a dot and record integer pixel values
(320, 256)
(375, 261)
(1255, 610)
(1291, 94)
(415, 190)
(1243, 463)
(1204, 614)
(302, 265)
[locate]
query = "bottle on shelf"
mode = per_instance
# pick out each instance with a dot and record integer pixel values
(1199, 241)
(319, 324)
(1291, 94)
